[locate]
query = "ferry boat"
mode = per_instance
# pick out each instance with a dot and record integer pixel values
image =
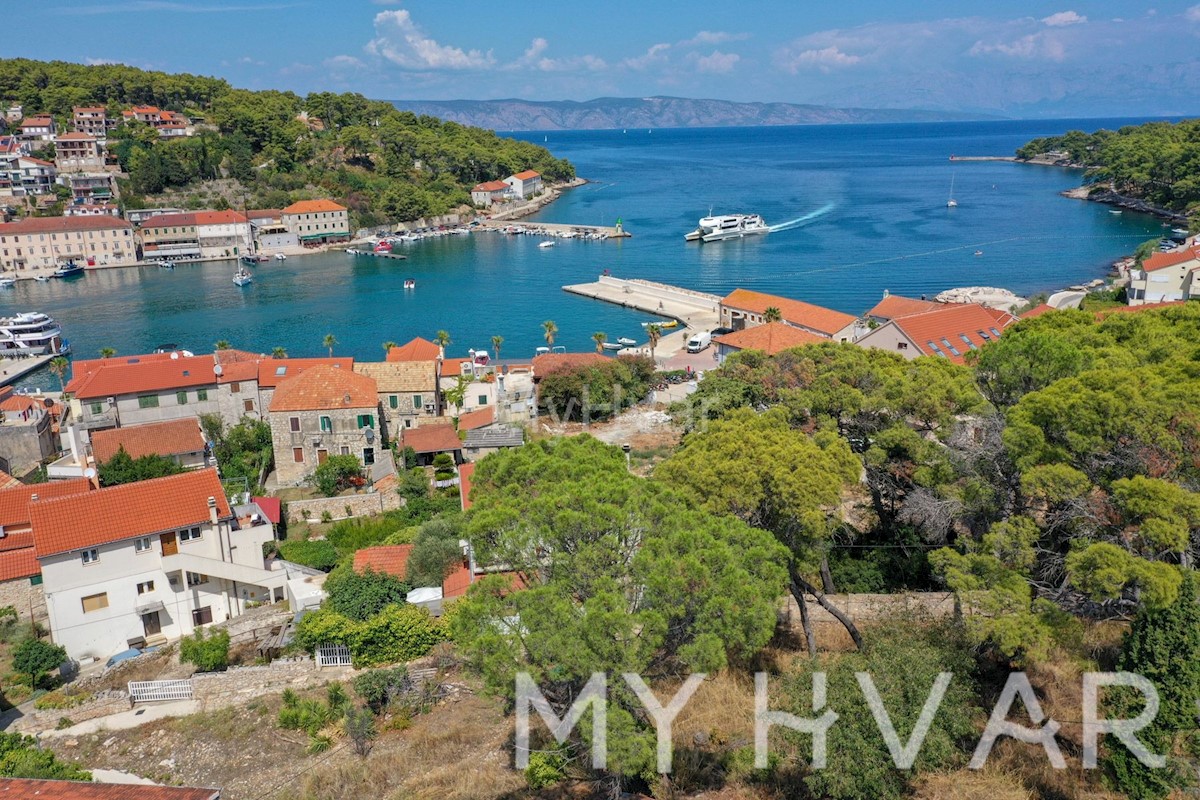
(33, 333)
(242, 277)
(68, 270)
(729, 226)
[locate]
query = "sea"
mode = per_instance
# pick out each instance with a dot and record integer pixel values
(856, 210)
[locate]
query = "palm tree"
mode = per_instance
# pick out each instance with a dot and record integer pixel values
(772, 314)
(279, 352)
(457, 395)
(223, 344)
(59, 366)
(107, 352)
(550, 328)
(599, 337)
(654, 333)
(496, 342)
(388, 345)
(330, 340)
(442, 340)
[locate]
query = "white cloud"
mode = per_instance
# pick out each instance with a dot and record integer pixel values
(1192, 14)
(98, 62)
(402, 42)
(713, 37)
(717, 62)
(656, 54)
(824, 59)
(343, 62)
(1034, 45)
(1063, 19)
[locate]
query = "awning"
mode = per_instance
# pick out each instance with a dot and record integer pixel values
(150, 607)
(323, 235)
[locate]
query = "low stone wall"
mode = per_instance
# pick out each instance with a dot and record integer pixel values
(238, 685)
(102, 704)
(864, 610)
(359, 505)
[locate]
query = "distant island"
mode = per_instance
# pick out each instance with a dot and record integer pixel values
(655, 112)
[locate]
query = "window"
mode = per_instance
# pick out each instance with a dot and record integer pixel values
(202, 616)
(248, 405)
(393, 401)
(96, 408)
(366, 420)
(94, 602)
(281, 371)
(189, 534)
(483, 399)
(995, 332)
(181, 398)
(202, 394)
(148, 401)
(294, 424)
(195, 579)
(235, 387)
(326, 424)
(901, 345)
(368, 456)
(142, 545)
(935, 348)
(417, 404)
(298, 455)
(408, 423)
(145, 587)
(90, 556)
(345, 450)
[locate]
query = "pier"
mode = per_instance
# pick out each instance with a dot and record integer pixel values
(557, 229)
(372, 254)
(13, 369)
(983, 158)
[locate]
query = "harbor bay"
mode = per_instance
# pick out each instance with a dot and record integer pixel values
(854, 210)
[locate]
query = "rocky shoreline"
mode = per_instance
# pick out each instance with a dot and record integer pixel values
(1109, 197)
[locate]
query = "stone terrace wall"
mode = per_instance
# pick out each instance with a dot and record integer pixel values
(23, 597)
(101, 705)
(241, 684)
(361, 505)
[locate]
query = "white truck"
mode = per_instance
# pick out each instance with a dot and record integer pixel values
(699, 342)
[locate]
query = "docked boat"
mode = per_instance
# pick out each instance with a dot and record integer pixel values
(7, 283)
(42, 278)
(728, 226)
(612, 346)
(242, 277)
(669, 323)
(1179, 231)
(164, 264)
(69, 270)
(625, 341)
(31, 334)
(281, 257)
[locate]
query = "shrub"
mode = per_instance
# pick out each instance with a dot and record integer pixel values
(36, 658)
(361, 596)
(434, 552)
(545, 769)
(360, 727)
(63, 723)
(21, 758)
(379, 687)
(61, 699)
(326, 516)
(336, 474)
(209, 653)
(318, 553)
(395, 635)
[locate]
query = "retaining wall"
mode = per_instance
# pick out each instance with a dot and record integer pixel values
(361, 505)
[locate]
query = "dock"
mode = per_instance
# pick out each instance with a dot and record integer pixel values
(557, 229)
(13, 369)
(397, 256)
(983, 158)
(695, 311)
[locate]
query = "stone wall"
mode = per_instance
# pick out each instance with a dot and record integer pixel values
(240, 684)
(24, 597)
(360, 505)
(102, 704)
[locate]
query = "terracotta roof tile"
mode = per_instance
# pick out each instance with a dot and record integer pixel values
(400, 376)
(949, 325)
(19, 563)
(771, 338)
(186, 219)
(122, 512)
(219, 218)
(175, 437)
(325, 387)
(452, 367)
(457, 582)
(491, 186)
(28, 789)
(116, 376)
(797, 312)
(527, 175)
(75, 136)
(417, 350)
(274, 371)
(313, 207)
(1037, 311)
(14, 502)
(265, 213)
(477, 418)
(1171, 258)
(7, 481)
(390, 559)
(894, 306)
(272, 508)
(97, 222)
(554, 362)
(439, 438)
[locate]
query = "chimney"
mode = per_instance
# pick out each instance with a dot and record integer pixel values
(886, 293)
(33, 498)
(212, 510)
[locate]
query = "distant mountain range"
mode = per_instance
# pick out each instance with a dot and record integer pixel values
(655, 112)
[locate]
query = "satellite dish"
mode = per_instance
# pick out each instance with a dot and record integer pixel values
(218, 369)
(90, 472)
(49, 402)
(174, 356)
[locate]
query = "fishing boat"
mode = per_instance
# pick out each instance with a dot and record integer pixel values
(625, 341)
(670, 323)
(69, 270)
(242, 277)
(728, 226)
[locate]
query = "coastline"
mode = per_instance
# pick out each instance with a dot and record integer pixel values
(535, 205)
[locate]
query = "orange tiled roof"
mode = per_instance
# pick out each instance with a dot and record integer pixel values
(466, 472)
(19, 562)
(553, 362)
(527, 175)
(117, 376)
(946, 327)
(219, 218)
(185, 219)
(122, 512)
(491, 186)
(313, 207)
(457, 582)
(75, 136)
(439, 438)
(797, 312)
(7, 481)
(325, 387)
(391, 559)
(1170, 259)
(1037, 311)
(274, 371)
(88, 109)
(894, 306)
(771, 338)
(453, 366)
(29, 789)
(63, 224)
(14, 502)
(478, 418)
(171, 438)
(417, 350)
(264, 213)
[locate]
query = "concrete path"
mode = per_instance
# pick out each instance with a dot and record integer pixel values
(125, 720)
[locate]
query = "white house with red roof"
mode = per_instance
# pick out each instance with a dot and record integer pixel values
(1165, 277)
(38, 127)
(949, 332)
(489, 192)
(148, 562)
(525, 184)
(22, 175)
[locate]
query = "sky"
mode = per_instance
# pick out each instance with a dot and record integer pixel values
(1009, 57)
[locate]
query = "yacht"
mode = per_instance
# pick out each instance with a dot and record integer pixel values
(242, 277)
(729, 226)
(68, 270)
(31, 334)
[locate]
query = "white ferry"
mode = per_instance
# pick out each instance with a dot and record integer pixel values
(728, 226)
(31, 334)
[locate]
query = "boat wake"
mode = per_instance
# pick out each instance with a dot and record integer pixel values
(798, 221)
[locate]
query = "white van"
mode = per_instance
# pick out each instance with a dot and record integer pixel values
(699, 342)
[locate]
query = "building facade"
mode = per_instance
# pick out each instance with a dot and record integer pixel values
(743, 308)
(43, 244)
(222, 234)
(525, 184)
(317, 221)
(170, 236)
(485, 194)
(1165, 277)
(92, 120)
(78, 152)
(407, 392)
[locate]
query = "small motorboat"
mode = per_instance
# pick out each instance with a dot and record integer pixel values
(612, 346)
(69, 270)
(164, 264)
(351, 251)
(978, 252)
(625, 341)
(242, 277)
(410, 284)
(281, 257)
(7, 283)
(1114, 211)
(546, 245)
(42, 278)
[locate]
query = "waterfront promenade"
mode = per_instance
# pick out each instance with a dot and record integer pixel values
(13, 368)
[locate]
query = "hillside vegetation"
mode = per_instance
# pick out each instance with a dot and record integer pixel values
(383, 163)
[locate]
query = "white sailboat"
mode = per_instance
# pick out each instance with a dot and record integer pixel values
(951, 203)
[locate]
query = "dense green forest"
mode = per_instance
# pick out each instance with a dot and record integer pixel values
(1158, 162)
(383, 163)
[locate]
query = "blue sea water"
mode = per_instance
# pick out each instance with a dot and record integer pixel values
(867, 203)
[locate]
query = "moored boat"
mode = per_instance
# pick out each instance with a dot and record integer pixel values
(242, 277)
(31, 333)
(612, 346)
(69, 270)
(625, 341)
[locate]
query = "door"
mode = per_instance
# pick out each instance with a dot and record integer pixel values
(170, 545)
(322, 455)
(151, 624)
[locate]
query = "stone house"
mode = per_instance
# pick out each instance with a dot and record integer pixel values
(179, 440)
(325, 410)
(406, 392)
(317, 221)
(26, 430)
